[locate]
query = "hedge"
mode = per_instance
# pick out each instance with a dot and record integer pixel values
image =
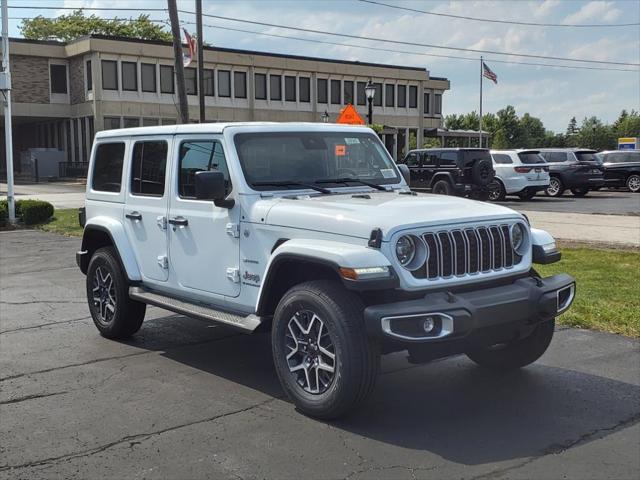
(30, 212)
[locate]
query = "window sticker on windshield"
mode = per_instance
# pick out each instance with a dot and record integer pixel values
(341, 150)
(387, 173)
(352, 141)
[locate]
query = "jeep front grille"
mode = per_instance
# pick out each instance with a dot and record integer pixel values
(467, 251)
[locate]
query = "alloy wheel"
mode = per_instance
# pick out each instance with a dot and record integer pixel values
(554, 187)
(104, 295)
(312, 357)
(494, 191)
(634, 183)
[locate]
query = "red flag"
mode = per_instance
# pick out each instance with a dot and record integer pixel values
(488, 73)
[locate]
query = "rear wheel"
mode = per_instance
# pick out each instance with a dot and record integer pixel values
(325, 362)
(442, 187)
(555, 188)
(580, 191)
(633, 183)
(496, 191)
(516, 354)
(113, 312)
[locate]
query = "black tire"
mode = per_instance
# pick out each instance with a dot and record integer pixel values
(580, 191)
(518, 353)
(442, 187)
(126, 315)
(356, 357)
(526, 195)
(480, 194)
(497, 192)
(633, 183)
(555, 188)
(482, 172)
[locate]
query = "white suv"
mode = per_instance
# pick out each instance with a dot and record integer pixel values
(311, 231)
(518, 172)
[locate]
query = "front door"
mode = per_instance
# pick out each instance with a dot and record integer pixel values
(204, 240)
(146, 206)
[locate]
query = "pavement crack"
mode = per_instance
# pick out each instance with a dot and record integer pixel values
(42, 325)
(46, 302)
(31, 397)
(134, 439)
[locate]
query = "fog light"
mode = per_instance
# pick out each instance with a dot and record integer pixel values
(428, 324)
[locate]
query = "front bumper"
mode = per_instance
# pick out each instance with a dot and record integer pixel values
(489, 315)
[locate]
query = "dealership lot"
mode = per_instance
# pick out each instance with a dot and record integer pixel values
(186, 399)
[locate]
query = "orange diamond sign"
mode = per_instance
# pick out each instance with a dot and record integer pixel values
(350, 116)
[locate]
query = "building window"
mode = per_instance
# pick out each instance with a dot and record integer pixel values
(261, 86)
(305, 89)
(111, 123)
(437, 108)
(335, 92)
(240, 84)
(109, 75)
(166, 79)
(58, 75)
(377, 99)
(150, 122)
(168, 121)
(224, 83)
(275, 85)
(322, 90)
(148, 77)
(413, 96)
(389, 95)
(87, 67)
(402, 96)
(130, 122)
(190, 81)
(208, 86)
(129, 76)
(107, 167)
(362, 96)
(348, 92)
(290, 89)
(148, 168)
(427, 103)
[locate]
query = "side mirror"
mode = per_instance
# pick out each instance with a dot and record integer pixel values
(210, 185)
(406, 173)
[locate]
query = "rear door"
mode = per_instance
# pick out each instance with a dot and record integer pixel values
(146, 205)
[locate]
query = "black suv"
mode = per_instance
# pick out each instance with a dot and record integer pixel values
(572, 168)
(451, 171)
(621, 168)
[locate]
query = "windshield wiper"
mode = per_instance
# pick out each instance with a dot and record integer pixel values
(287, 183)
(352, 179)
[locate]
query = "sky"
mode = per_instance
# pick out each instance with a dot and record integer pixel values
(552, 94)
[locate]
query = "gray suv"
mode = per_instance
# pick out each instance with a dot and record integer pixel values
(576, 169)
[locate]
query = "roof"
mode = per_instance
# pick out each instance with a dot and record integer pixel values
(566, 150)
(229, 50)
(218, 128)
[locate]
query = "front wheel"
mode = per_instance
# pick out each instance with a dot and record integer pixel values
(633, 183)
(496, 191)
(580, 191)
(555, 188)
(516, 354)
(323, 358)
(442, 187)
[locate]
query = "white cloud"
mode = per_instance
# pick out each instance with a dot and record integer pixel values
(598, 10)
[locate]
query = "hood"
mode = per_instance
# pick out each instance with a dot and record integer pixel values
(349, 214)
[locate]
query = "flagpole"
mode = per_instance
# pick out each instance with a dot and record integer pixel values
(480, 139)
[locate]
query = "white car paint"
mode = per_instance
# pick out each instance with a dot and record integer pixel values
(513, 181)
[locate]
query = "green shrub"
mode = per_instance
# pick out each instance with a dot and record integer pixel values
(4, 213)
(34, 211)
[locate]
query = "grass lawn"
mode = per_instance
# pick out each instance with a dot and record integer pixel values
(608, 292)
(608, 288)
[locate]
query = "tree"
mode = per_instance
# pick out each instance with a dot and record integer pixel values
(627, 125)
(532, 132)
(594, 134)
(509, 123)
(499, 140)
(572, 128)
(75, 25)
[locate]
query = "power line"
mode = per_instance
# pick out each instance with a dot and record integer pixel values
(23, 7)
(400, 42)
(493, 20)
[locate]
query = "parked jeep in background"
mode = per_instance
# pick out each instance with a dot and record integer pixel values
(451, 171)
(578, 170)
(518, 172)
(310, 231)
(621, 168)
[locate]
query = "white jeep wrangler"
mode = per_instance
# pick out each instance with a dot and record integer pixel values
(311, 231)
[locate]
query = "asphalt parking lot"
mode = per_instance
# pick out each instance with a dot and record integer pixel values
(186, 399)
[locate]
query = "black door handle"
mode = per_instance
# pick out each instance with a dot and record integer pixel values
(179, 221)
(134, 216)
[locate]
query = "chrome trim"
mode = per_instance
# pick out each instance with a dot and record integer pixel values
(569, 301)
(445, 330)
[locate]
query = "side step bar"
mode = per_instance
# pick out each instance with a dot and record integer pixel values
(245, 323)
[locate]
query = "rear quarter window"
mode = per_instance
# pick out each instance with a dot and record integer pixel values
(107, 167)
(530, 158)
(502, 158)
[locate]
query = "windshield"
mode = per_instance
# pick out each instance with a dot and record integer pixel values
(531, 157)
(587, 157)
(290, 158)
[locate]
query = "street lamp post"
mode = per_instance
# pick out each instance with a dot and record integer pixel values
(370, 92)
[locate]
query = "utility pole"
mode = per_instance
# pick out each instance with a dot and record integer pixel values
(200, 60)
(5, 86)
(177, 52)
(480, 138)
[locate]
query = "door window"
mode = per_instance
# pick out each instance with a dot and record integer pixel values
(107, 167)
(148, 168)
(200, 156)
(413, 160)
(429, 159)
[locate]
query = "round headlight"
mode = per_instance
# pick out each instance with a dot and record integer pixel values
(405, 249)
(518, 239)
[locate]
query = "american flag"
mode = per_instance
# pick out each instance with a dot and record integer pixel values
(488, 73)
